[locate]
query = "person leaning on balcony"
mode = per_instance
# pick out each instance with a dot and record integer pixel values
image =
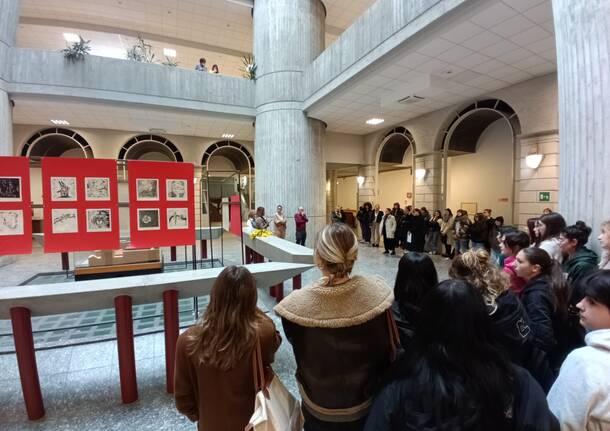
(201, 67)
(214, 381)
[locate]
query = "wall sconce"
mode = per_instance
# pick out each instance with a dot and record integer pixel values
(360, 180)
(533, 160)
(420, 174)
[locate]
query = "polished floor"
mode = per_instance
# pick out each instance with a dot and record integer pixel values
(80, 384)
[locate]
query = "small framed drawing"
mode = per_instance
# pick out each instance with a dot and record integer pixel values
(64, 220)
(63, 188)
(176, 190)
(148, 219)
(147, 189)
(10, 189)
(97, 189)
(98, 220)
(11, 222)
(177, 218)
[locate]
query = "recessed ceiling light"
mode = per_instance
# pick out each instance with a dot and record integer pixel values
(228, 135)
(375, 121)
(71, 37)
(247, 3)
(169, 52)
(60, 122)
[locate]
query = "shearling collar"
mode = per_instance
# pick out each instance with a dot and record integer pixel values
(352, 303)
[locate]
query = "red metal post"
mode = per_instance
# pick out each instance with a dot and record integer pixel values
(279, 292)
(204, 248)
(172, 252)
(127, 358)
(65, 261)
(296, 282)
(171, 321)
(26, 360)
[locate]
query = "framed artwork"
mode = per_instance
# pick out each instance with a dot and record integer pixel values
(97, 189)
(147, 189)
(11, 222)
(99, 220)
(148, 219)
(10, 189)
(63, 189)
(64, 220)
(471, 207)
(177, 218)
(176, 190)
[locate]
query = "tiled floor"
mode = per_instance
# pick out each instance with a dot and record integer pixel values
(80, 384)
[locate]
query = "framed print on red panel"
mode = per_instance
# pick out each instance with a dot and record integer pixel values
(15, 206)
(80, 199)
(161, 203)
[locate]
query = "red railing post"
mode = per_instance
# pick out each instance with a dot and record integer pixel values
(127, 359)
(171, 321)
(26, 360)
(296, 282)
(172, 252)
(279, 291)
(204, 248)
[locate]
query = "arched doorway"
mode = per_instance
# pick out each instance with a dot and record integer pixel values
(478, 147)
(394, 166)
(150, 147)
(228, 169)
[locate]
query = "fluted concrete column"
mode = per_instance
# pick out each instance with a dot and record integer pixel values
(583, 61)
(429, 190)
(288, 148)
(9, 18)
(366, 192)
(331, 192)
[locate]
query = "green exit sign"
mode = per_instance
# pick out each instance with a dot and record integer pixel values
(544, 196)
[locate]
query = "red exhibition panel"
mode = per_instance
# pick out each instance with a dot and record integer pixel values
(80, 199)
(161, 204)
(15, 206)
(235, 209)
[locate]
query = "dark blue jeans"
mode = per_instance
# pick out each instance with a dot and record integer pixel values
(301, 237)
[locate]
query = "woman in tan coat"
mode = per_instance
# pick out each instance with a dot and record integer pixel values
(214, 382)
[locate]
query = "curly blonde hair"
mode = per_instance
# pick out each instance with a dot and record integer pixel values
(336, 250)
(477, 268)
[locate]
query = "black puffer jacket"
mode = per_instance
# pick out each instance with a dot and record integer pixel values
(511, 328)
(397, 407)
(537, 298)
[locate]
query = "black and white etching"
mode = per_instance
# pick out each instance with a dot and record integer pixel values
(147, 189)
(63, 188)
(97, 189)
(98, 220)
(64, 220)
(176, 190)
(11, 222)
(148, 219)
(177, 218)
(10, 189)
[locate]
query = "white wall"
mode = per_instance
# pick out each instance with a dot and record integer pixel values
(343, 148)
(485, 177)
(347, 193)
(393, 187)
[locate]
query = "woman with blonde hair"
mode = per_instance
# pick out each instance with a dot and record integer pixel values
(214, 381)
(339, 328)
(509, 321)
(604, 242)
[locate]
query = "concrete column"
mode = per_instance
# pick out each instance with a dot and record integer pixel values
(366, 192)
(331, 192)
(429, 190)
(288, 148)
(583, 61)
(9, 19)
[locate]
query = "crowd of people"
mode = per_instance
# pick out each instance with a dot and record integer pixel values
(518, 341)
(258, 220)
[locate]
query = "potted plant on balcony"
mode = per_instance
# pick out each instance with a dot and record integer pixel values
(248, 66)
(77, 50)
(141, 51)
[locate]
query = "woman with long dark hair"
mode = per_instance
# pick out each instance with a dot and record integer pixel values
(214, 382)
(510, 245)
(415, 277)
(454, 378)
(547, 230)
(580, 260)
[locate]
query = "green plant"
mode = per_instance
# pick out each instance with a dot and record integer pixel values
(248, 66)
(141, 51)
(77, 50)
(170, 62)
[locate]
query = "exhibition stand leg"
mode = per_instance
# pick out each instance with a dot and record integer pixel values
(127, 359)
(65, 262)
(249, 254)
(26, 359)
(204, 248)
(194, 255)
(172, 252)
(171, 323)
(279, 291)
(296, 282)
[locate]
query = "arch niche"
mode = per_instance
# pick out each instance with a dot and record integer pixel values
(150, 147)
(228, 168)
(394, 163)
(479, 150)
